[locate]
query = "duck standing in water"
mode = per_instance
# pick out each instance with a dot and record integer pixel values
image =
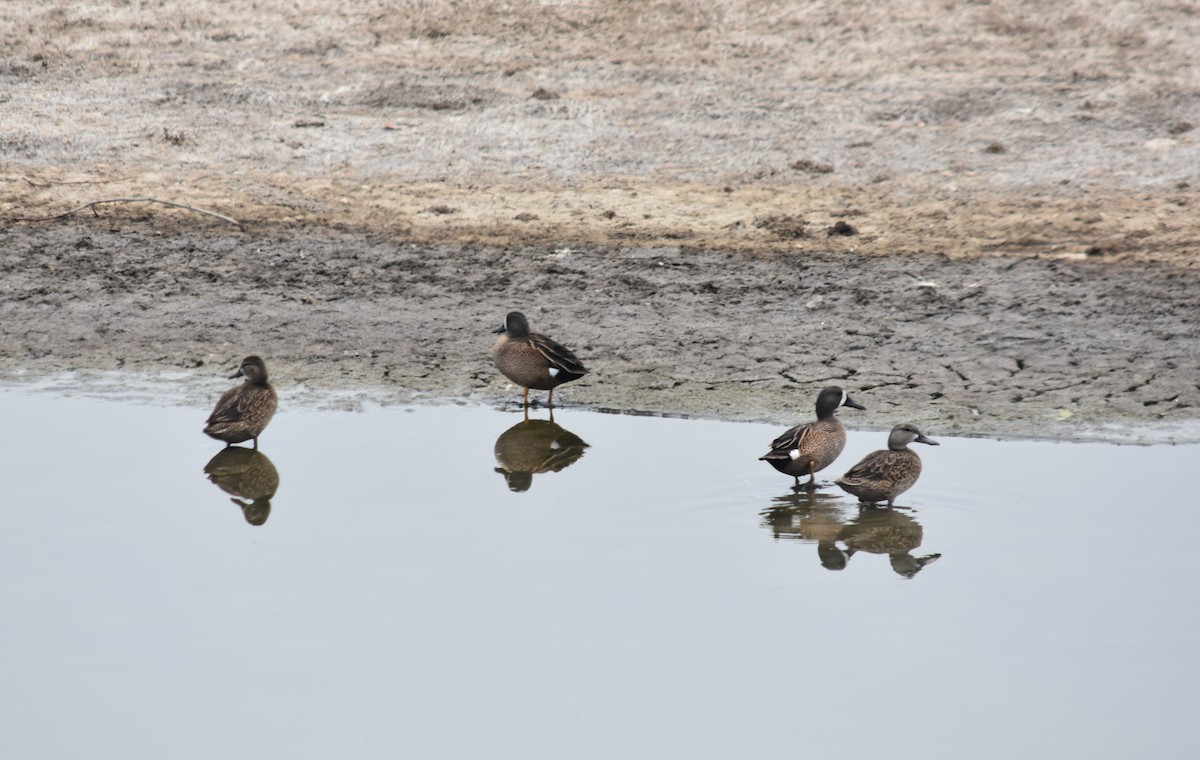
(808, 448)
(242, 412)
(883, 475)
(532, 360)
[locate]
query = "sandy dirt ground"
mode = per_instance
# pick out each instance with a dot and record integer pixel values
(978, 216)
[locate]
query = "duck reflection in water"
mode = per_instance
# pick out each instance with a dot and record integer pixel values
(247, 475)
(809, 516)
(535, 446)
(886, 531)
(823, 519)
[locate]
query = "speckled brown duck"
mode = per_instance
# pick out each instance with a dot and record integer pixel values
(242, 412)
(811, 447)
(532, 360)
(883, 475)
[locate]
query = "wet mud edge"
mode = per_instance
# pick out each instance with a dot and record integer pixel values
(996, 345)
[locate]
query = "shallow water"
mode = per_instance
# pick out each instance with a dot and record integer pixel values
(654, 592)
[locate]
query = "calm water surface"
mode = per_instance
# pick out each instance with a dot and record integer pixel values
(626, 587)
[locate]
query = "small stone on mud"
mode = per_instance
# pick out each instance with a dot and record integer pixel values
(525, 216)
(784, 226)
(811, 167)
(542, 93)
(995, 147)
(175, 136)
(841, 228)
(303, 123)
(440, 209)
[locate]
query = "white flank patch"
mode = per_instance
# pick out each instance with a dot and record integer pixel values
(553, 372)
(794, 453)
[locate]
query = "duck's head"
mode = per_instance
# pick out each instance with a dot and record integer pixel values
(515, 325)
(829, 399)
(907, 433)
(253, 369)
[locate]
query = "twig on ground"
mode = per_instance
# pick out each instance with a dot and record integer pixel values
(94, 204)
(37, 183)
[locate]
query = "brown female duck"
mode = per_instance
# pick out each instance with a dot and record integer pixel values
(883, 475)
(812, 446)
(243, 411)
(531, 360)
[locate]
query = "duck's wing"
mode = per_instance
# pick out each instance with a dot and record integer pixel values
(877, 465)
(558, 355)
(231, 407)
(783, 446)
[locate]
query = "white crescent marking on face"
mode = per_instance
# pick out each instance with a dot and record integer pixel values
(553, 371)
(844, 397)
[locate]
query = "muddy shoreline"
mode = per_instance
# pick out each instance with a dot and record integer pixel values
(977, 218)
(1000, 346)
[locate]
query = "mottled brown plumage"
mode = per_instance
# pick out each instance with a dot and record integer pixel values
(811, 447)
(242, 412)
(885, 474)
(532, 360)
